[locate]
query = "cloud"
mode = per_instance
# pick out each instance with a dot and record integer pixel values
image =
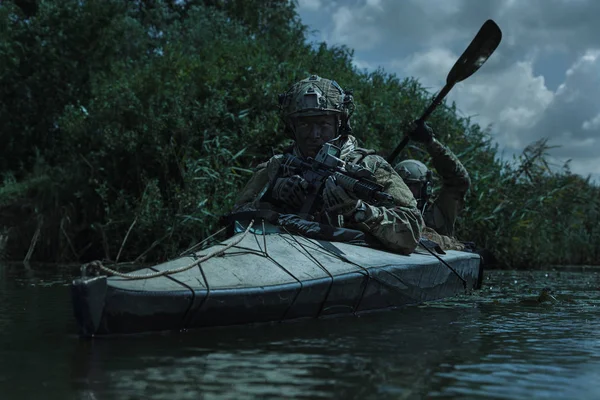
(592, 124)
(309, 5)
(572, 120)
(585, 167)
(362, 64)
(375, 4)
(512, 100)
(542, 81)
(430, 66)
(358, 29)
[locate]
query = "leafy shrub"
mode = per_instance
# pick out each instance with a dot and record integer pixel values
(129, 128)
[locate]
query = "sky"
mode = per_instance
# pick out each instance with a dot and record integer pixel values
(543, 80)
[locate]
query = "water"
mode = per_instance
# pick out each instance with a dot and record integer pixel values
(499, 343)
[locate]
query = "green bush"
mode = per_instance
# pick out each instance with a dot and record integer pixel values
(129, 128)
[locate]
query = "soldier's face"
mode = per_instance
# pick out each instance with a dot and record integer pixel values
(415, 188)
(312, 132)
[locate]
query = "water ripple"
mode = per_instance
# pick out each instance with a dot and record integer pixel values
(496, 343)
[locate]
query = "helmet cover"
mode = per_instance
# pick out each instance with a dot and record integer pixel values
(313, 96)
(412, 171)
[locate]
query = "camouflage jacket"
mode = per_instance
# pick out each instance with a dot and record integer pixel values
(397, 226)
(441, 213)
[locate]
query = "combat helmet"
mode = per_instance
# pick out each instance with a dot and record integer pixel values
(412, 171)
(415, 172)
(317, 96)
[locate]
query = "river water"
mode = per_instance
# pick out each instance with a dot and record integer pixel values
(497, 343)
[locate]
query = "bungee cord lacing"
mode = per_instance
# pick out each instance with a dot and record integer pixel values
(98, 264)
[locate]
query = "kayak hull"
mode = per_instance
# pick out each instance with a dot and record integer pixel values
(268, 278)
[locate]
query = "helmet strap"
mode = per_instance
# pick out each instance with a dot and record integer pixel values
(345, 128)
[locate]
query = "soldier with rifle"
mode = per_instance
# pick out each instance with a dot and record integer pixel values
(326, 179)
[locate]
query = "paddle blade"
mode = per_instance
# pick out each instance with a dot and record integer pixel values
(480, 49)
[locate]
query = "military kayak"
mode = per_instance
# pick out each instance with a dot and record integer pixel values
(266, 275)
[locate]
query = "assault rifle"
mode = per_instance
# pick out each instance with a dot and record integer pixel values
(356, 180)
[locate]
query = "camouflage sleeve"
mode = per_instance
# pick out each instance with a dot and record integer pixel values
(397, 226)
(455, 183)
(256, 186)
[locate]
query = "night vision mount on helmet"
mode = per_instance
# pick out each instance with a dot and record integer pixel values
(315, 96)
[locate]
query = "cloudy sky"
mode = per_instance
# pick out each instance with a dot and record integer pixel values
(542, 81)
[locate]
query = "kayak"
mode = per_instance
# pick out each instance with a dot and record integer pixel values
(263, 275)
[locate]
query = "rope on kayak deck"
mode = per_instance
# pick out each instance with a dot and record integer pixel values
(185, 252)
(98, 264)
(314, 260)
(464, 282)
(322, 249)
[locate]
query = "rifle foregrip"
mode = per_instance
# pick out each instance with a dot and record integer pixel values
(363, 189)
(383, 196)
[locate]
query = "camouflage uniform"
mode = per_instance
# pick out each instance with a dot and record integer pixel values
(440, 214)
(397, 226)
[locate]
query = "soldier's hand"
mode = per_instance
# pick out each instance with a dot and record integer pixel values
(337, 200)
(290, 191)
(421, 132)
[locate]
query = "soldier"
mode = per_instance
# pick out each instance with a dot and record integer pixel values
(317, 111)
(439, 214)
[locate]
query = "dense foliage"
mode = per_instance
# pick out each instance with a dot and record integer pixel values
(128, 127)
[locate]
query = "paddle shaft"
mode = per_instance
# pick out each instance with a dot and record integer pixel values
(436, 102)
(478, 51)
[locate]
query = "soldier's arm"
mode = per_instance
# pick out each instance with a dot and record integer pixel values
(397, 226)
(455, 177)
(251, 193)
(455, 183)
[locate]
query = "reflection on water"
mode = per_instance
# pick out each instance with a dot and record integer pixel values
(498, 343)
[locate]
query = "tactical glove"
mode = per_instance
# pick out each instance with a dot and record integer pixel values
(337, 200)
(290, 191)
(421, 132)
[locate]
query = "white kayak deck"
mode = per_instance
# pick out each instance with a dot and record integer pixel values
(260, 261)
